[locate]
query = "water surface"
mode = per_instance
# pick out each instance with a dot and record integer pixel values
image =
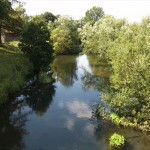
(59, 116)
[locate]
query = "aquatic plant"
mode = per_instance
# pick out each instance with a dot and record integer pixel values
(117, 141)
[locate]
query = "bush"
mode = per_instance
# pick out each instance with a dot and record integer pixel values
(115, 118)
(117, 141)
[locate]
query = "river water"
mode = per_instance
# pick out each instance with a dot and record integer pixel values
(59, 116)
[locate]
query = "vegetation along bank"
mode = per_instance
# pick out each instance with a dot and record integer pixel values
(124, 46)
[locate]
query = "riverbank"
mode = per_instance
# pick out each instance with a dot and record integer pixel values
(14, 69)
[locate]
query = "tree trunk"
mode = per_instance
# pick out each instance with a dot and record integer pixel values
(0, 35)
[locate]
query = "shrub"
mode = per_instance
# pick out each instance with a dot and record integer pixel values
(115, 118)
(117, 141)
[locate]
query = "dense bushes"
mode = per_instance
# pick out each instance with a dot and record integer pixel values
(130, 61)
(127, 49)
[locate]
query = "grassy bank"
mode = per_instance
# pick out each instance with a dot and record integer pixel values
(14, 68)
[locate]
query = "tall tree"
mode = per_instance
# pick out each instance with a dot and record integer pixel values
(7, 16)
(5, 8)
(34, 43)
(65, 37)
(94, 14)
(17, 19)
(97, 39)
(49, 17)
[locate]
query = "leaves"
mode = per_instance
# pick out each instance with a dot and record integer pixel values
(34, 43)
(65, 37)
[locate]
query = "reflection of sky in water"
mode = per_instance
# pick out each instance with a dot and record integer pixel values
(89, 129)
(66, 124)
(79, 108)
(69, 124)
(83, 64)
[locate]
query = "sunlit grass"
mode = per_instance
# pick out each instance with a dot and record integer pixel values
(14, 67)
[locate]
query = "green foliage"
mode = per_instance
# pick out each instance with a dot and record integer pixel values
(5, 8)
(11, 19)
(34, 43)
(45, 77)
(117, 141)
(94, 14)
(49, 17)
(65, 37)
(17, 20)
(115, 118)
(127, 49)
(14, 68)
(98, 39)
(130, 60)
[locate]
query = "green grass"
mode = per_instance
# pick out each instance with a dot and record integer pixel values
(14, 68)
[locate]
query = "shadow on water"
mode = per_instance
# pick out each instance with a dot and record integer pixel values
(14, 114)
(12, 125)
(39, 97)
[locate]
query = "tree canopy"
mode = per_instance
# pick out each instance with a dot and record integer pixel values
(94, 14)
(65, 37)
(5, 9)
(35, 43)
(49, 17)
(97, 39)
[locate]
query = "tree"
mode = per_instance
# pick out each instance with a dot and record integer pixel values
(5, 8)
(35, 43)
(97, 39)
(129, 57)
(17, 19)
(11, 19)
(65, 36)
(94, 14)
(49, 17)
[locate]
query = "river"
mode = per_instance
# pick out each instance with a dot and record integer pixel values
(59, 116)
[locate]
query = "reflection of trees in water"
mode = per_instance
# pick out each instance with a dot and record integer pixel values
(99, 66)
(13, 115)
(94, 82)
(40, 97)
(64, 68)
(12, 125)
(103, 129)
(99, 78)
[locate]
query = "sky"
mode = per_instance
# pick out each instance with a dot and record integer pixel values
(132, 10)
